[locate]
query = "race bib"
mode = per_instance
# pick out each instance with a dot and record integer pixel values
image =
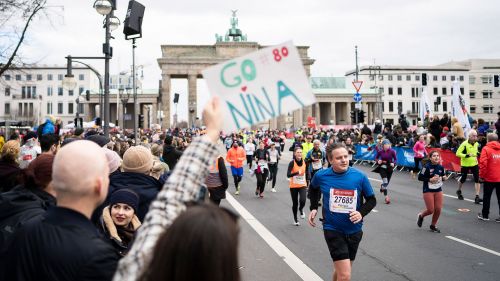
(343, 201)
(274, 159)
(436, 185)
(299, 180)
(317, 165)
(263, 164)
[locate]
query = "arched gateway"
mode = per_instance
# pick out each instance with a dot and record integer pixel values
(187, 62)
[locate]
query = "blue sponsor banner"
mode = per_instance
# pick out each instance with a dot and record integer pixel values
(362, 153)
(405, 156)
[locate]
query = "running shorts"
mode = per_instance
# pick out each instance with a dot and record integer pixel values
(342, 246)
(474, 170)
(237, 171)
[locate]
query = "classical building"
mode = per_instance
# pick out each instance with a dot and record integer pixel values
(399, 88)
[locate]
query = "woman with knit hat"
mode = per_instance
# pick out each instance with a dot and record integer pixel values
(386, 159)
(137, 165)
(119, 221)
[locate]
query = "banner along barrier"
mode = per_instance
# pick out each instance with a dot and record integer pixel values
(405, 156)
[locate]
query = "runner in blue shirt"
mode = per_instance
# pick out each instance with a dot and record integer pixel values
(343, 189)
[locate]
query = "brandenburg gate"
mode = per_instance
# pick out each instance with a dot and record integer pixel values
(187, 62)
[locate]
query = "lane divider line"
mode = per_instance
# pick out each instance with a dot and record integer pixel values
(297, 265)
(474, 245)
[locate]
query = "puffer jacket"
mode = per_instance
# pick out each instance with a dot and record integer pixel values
(489, 162)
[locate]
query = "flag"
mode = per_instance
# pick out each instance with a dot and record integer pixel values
(459, 109)
(425, 105)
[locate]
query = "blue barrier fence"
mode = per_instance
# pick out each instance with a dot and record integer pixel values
(404, 155)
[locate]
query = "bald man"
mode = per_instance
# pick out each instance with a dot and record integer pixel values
(65, 245)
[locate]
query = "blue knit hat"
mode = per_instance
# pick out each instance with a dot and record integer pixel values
(386, 141)
(125, 196)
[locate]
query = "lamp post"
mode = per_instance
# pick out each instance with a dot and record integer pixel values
(124, 99)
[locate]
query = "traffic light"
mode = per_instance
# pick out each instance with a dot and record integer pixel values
(424, 79)
(98, 121)
(141, 121)
(496, 81)
(353, 117)
(87, 95)
(361, 116)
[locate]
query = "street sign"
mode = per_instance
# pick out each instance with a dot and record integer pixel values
(357, 97)
(357, 105)
(357, 85)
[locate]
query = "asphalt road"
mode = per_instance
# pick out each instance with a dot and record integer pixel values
(393, 247)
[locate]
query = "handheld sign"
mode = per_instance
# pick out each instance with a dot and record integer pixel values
(260, 86)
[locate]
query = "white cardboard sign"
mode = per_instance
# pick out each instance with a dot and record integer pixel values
(259, 86)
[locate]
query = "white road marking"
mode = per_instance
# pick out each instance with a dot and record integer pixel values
(474, 245)
(375, 211)
(377, 180)
(293, 261)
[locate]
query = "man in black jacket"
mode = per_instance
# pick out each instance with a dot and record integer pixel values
(65, 245)
(170, 154)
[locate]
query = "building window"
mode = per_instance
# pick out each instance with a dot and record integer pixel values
(390, 91)
(434, 78)
(400, 77)
(60, 107)
(70, 92)
(435, 91)
(381, 90)
(18, 77)
(70, 108)
(49, 77)
(80, 108)
(80, 90)
(23, 92)
(472, 80)
(472, 94)
(371, 77)
(486, 79)
(59, 77)
(408, 77)
(400, 107)
(7, 77)
(389, 77)
(49, 108)
(436, 107)
(487, 94)
(461, 78)
(443, 78)
(414, 92)
(462, 91)
(39, 77)
(49, 91)
(59, 91)
(380, 77)
(28, 77)
(6, 109)
(81, 77)
(444, 91)
(33, 92)
(472, 109)
(452, 78)
(391, 106)
(7, 91)
(400, 91)
(417, 77)
(445, 106)
(30, 112)
(488, 109)
(415, 106)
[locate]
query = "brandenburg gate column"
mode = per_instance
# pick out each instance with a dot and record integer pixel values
(192, 104)
(165, 100)
(333, 114)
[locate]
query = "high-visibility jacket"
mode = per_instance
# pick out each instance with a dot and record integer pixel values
(236, 157)
(306, 147)
(463, 152)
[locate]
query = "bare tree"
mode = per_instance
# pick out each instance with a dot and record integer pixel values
(16, 11)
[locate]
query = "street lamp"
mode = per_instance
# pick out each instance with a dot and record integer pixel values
(103, 7)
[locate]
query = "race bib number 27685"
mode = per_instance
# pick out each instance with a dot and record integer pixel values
(342, 200)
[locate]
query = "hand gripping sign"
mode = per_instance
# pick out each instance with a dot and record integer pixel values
(260, 86)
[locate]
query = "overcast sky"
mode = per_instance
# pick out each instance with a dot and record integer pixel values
(419, 32)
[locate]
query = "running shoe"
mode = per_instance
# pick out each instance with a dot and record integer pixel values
(302, 215)
(434, 229)
(381, 189)
(273, 190)
(257, 191)
(261, 195)
(237, 192)
(480, 217)
(478, 200)
(296, 223)
(459, 195)
(497, 220)
(387, 200)
(420, 220)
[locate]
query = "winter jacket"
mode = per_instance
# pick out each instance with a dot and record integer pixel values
(435, 129)
(48, 127)
(489, 162)
(9, 175)
(219, 192)
(112, 233)
(419, 149)
(236, 156)
(64, 245)
(19, 207)
(464, 151)
(483, 129)
(457, 129)
(171, 155)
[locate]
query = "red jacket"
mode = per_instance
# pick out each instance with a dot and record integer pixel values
(489, 162)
